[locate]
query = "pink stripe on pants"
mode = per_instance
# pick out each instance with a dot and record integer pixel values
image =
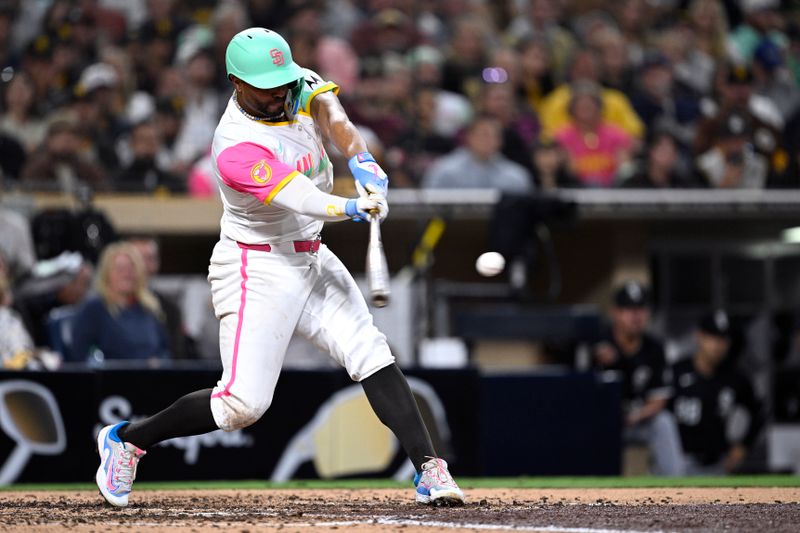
(227, 390)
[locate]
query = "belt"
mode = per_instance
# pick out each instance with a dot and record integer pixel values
(297, 247)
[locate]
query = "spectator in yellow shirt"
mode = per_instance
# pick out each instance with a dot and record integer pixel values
(617, 109)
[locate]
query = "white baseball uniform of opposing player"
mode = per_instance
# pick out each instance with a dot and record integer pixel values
(270, 276)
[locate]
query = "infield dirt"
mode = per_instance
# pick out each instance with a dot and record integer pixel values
(563, 510)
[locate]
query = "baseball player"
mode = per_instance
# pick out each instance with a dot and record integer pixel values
(270, 274)
(638, 357)
(718, 414)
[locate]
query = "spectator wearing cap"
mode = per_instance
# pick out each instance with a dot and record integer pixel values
(718, 415)
(98, 112)
(737, 98)
(597, 151)
(637, 357)
(660, 103)
(37, 61)
(732, 162)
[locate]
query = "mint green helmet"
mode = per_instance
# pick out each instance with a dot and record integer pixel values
(261, 58)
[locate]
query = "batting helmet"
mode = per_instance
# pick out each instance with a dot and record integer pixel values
(263, 59)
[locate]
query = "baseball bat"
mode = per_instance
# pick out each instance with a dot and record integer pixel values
(377, 268)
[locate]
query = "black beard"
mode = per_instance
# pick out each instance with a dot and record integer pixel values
(275, 117)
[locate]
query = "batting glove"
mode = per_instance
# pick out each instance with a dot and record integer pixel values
(359, 209)
(369, 176)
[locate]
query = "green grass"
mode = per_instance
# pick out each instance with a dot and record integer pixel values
(467, 483)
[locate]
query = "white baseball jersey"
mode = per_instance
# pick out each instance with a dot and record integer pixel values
(265, 288)
(253, 160)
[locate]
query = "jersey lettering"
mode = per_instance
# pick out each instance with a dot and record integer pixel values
(304, 164)
(725, 401)
(641, 376)
(689, 411)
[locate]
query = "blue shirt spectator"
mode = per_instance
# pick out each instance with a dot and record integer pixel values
(124, 320)
(132, 333)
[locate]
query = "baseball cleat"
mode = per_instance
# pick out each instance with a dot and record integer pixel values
(435, 485)
(117, 469)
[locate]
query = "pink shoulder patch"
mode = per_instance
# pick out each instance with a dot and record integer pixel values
(253, 169)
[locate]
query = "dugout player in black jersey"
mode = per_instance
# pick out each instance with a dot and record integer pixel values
(638, 357)
(718, 414)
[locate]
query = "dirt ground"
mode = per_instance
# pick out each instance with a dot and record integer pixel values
(774, 510)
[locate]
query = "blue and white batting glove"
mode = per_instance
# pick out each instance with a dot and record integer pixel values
(360, 208)
(370, 177)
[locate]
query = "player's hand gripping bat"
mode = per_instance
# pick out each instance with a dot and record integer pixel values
(377, 268)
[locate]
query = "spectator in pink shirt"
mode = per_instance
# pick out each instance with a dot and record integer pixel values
(597, 152)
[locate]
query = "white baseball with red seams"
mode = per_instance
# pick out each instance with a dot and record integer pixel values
(265, 285)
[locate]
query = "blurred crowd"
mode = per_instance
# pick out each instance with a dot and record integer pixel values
(124, 95)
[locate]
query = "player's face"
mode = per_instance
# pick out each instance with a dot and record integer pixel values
(262, 102)
(630, 320)
(712, 348)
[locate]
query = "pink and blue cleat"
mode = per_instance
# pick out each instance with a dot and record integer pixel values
(435, 485)
(117, 469)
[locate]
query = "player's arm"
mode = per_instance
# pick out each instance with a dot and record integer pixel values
(253, 169)
(337, 128)
(748, 408)
(302, 196)
(652, 407)
(659, 391)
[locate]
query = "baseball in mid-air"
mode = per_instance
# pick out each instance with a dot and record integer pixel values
(490, 264)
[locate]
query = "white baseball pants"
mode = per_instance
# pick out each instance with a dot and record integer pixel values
(261, 299)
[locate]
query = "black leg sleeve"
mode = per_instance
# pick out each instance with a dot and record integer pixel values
(391, 398)
(189, 415)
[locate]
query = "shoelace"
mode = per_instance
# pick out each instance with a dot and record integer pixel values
(436, 470)
(126, 468)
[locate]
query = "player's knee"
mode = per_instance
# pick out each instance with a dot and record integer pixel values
(236, 414)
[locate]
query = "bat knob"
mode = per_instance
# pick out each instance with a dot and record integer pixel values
(380, 300)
